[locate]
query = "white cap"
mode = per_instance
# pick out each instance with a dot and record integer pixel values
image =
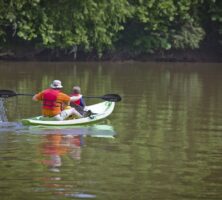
(56, 84)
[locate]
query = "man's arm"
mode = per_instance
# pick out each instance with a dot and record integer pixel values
(75, 98)
(37, 97)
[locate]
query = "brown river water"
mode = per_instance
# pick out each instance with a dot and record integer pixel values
(163, 141)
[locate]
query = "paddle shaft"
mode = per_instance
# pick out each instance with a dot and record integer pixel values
(92, 97)
(106, 97)
(7, 94)
(24, 94)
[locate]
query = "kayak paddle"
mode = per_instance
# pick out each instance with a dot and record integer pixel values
(10, 93)
(106, 97)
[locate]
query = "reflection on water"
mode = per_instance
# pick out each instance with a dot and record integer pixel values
(61, 146)
(50, 162)
(81, 195)
(62, 141)
(56, 145)
(96, 130)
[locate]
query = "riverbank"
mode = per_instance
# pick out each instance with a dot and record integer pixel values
(27, 53)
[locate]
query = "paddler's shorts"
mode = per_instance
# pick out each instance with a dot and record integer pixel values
(66, 113)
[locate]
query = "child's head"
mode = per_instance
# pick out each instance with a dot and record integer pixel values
(76, 90)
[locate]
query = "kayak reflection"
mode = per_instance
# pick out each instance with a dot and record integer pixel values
(94, 131)
(58, 142)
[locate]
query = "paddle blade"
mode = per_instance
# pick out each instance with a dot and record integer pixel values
(7, 93)
(111, 97)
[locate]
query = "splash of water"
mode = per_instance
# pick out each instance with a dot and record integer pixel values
(3, 116)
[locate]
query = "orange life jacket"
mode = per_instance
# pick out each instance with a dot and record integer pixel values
(50, 99)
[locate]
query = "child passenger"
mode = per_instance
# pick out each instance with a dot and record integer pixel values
(76, 91)
(79, 104)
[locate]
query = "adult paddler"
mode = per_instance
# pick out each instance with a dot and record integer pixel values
(54, 101)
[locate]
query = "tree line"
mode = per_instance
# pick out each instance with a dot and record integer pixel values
(135, 26)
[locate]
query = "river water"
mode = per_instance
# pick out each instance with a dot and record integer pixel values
(162, 142)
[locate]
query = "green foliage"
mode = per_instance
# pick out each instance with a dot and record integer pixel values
(189, 36)
(97, 25)
(90, 24)
(213, 13)
(162, 25)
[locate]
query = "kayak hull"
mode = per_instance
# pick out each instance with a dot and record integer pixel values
(100, 111)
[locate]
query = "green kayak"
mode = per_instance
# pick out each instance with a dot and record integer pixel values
(100, 111)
